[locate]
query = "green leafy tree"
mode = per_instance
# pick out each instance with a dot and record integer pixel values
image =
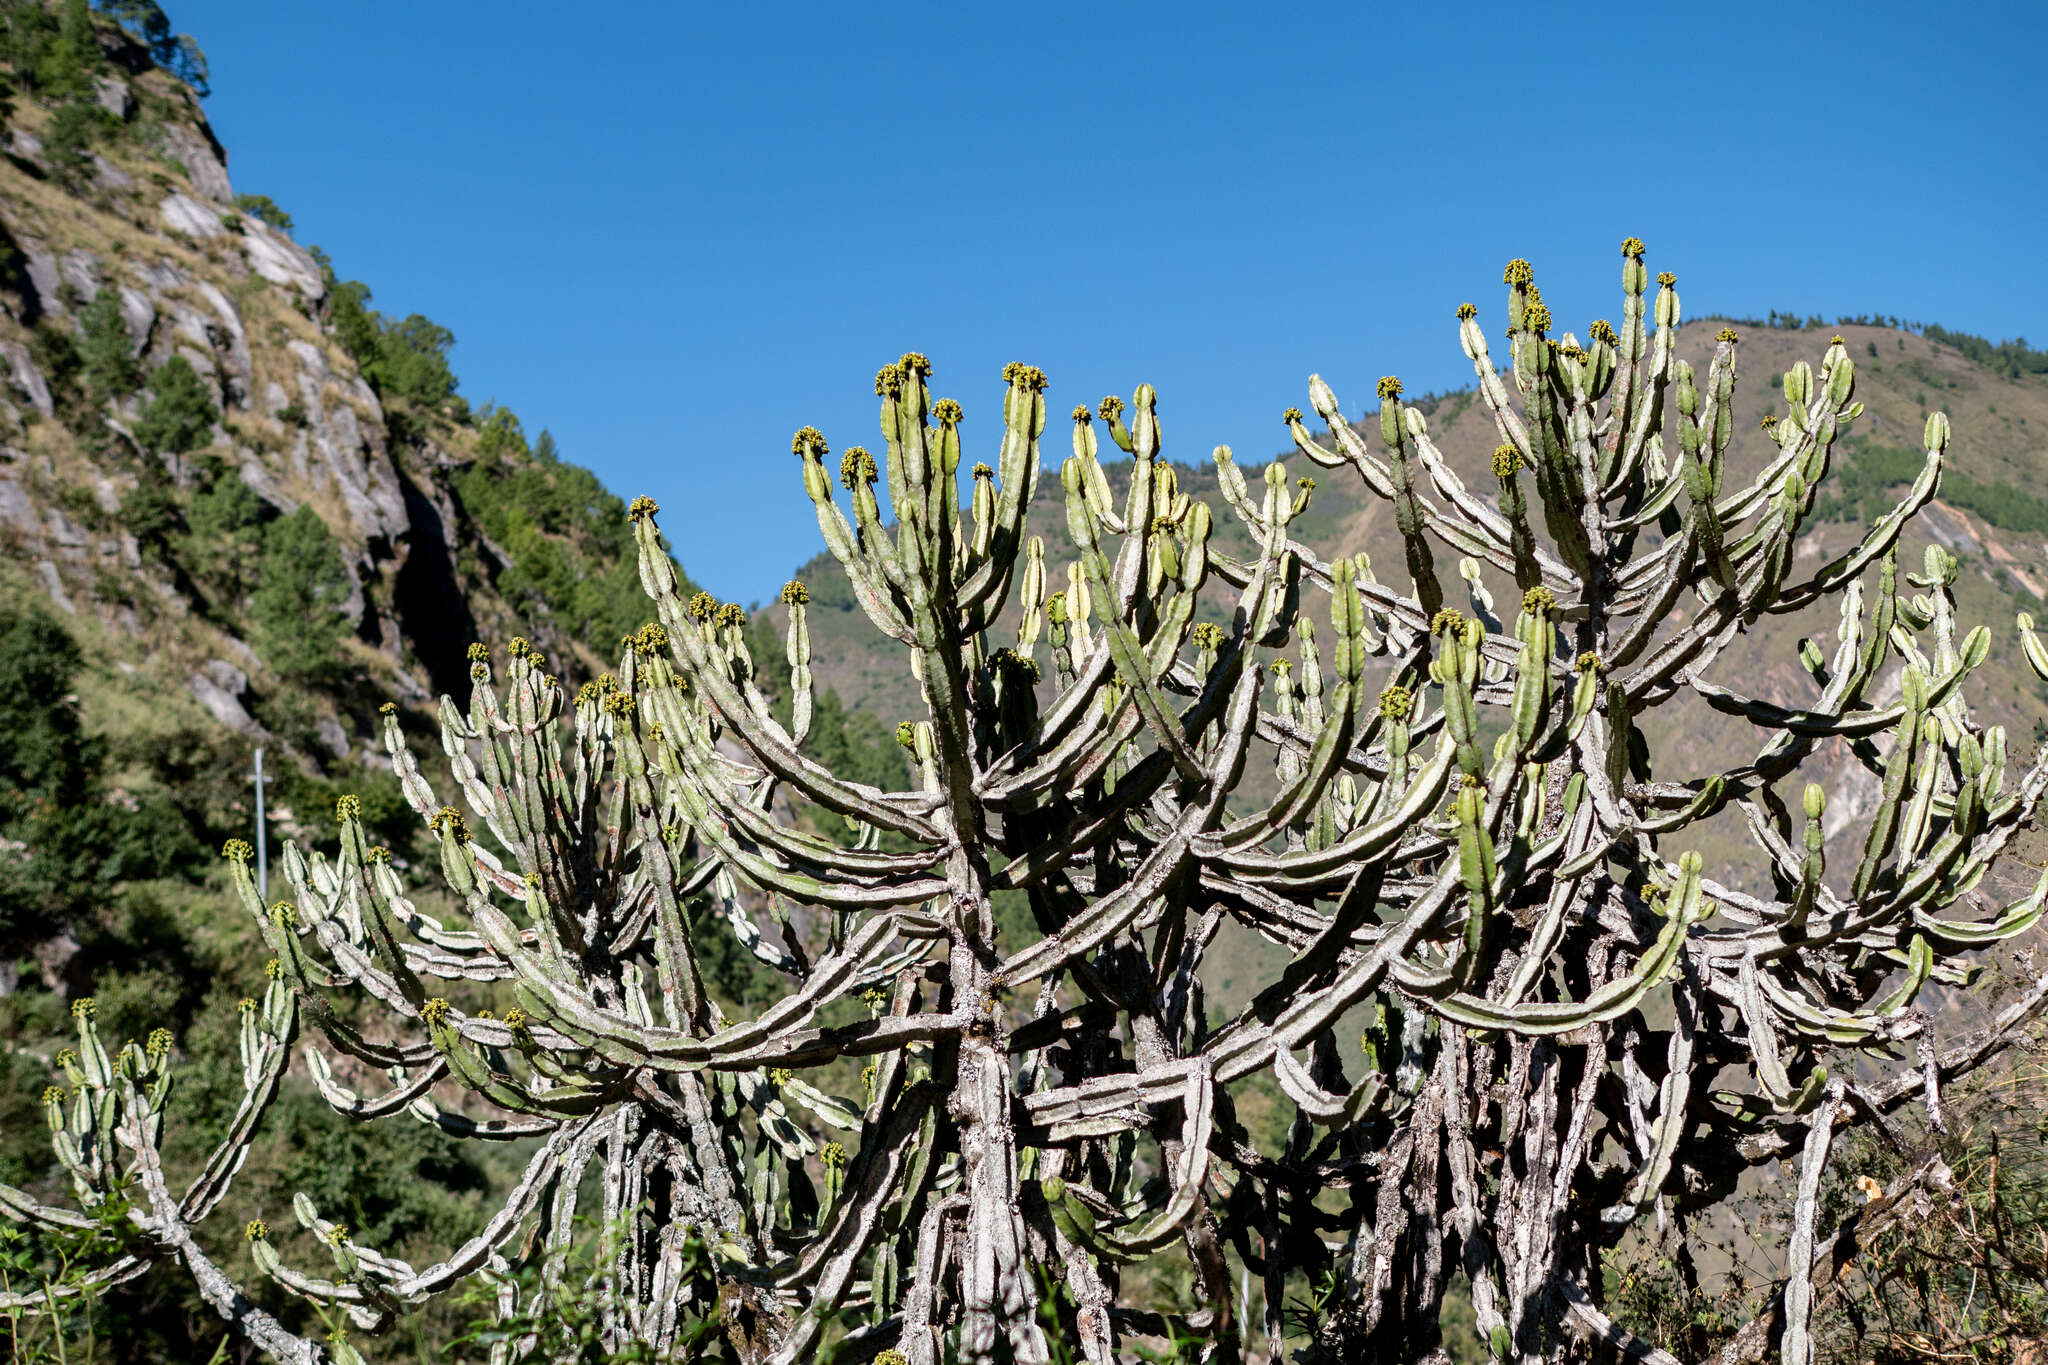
(264, 208)
(297, 605)
(176, 53)
(405, 359)
(106, 353)
(226, 538)
(181, 412)
(67, 847)
(74, 130)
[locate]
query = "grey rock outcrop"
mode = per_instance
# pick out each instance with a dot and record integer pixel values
(182, 213)
(219, 687)
(204, 163)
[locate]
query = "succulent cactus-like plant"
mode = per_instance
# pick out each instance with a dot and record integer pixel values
(1464, 840)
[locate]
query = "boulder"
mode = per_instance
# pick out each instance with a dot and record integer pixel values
(280, 260)
(219, 687)
(114, 96)
(189, 216)
(27, 378)
(205, 164)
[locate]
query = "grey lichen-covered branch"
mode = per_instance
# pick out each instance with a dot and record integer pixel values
(1465, 844)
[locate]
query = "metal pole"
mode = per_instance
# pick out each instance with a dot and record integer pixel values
(262, 844)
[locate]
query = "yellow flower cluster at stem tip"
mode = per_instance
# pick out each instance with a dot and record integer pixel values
(389, 708)
(794, 593)
(1633, 248)
(946, 410)
(779, 1076)
(1010, 661)
(337, 1234)
(1447, 620)
(1726, 334)
(1207, 635)
(1518, 271)
(84, 1008)
(1027, 377)
(246, 1005)
(1081, 415)
(1539, 598)
(1603, 330)
(159, 1042)
(257, 1230)
(1587, 662)
(700, 606)
(914, 362)
(273, 969)
(1769, 422)
(237, 850)
(1306, 483)
(1395, 702)
(1667, 279)
(66, 1057)
(1506, 460)
(518, 648)
(1281, 666)
(435, 1011)
(284, 914)
(1291, 416)
(348, 808)
(856, 467)
(1536, 317)
(1111, 408)
(449, 824)
(641, 508)
(53, 1094)
(1467, 311)
(982, 470)
(809, 440)
(731, 614)
(1835, 340)
(515, 1019)
(1389, 386)
(832, 1154)
(379, 854)
(906, 734)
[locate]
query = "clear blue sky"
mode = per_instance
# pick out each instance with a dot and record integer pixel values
(674, 233)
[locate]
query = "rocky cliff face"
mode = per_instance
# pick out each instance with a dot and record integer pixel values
(150, 223)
